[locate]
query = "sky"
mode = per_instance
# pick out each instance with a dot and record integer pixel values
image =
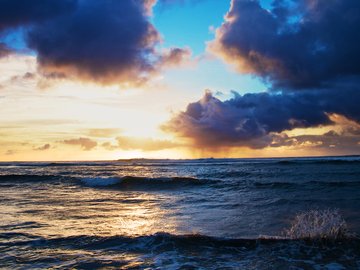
(103, 80)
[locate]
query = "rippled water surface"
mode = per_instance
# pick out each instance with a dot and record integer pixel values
(164, 214)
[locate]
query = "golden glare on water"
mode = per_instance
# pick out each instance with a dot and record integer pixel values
(89, 212)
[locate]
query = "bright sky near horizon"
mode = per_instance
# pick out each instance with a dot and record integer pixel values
(177, 79)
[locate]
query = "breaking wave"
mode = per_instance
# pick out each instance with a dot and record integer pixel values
(312, 225)
(149, 242)
(134, 181)
(299, 247)
(169, 251)
(168, 182)
(106, 181)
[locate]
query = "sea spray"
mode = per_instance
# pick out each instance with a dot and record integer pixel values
(319, 224)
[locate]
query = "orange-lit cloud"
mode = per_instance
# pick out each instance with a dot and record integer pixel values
(10, 152)
(43, 148)
(261, 120)
(85, 143)
(176, 57)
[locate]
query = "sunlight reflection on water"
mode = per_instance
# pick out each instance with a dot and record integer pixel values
(102, 213)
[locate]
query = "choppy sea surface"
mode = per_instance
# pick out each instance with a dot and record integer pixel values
(175, 214)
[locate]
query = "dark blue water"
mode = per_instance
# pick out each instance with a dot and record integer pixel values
(166, 214)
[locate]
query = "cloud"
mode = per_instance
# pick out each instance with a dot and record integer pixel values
(144, 144)
(343, 140)
(85, 143)
(43, 148)
(175, 57)
(36, 123)
(4, 50)
(107, 42)
(165, 3)
(28, 76)
(15, 13)
(307, 51)
(10, 152)
(343, 132)
(109, 146)
(103, 132)
(296, 44)
(252, 120)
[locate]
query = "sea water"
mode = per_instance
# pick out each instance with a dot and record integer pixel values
(299, 213)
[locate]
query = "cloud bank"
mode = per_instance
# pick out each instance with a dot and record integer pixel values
(252, 119)
(307, 51)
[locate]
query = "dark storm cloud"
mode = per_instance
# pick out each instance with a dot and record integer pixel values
(312, 45)
(172, 2)
(14, 13)
(107, 41)
(253, 120)
(297, 44)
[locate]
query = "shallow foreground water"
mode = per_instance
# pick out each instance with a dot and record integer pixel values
(166, 214)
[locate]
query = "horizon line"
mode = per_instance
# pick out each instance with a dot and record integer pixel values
(184, 159)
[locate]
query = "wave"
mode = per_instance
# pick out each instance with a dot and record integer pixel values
(121, 182)
(129, 182)
(319, 161)
(136, 182)
(59, 164)
(169, 251)
(312, 226)
(315, 238)
(150, 242)
(28, 178)
(288, 185)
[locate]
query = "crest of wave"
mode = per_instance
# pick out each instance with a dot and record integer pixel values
(319, 224)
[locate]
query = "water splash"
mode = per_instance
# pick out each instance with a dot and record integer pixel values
(319, 224)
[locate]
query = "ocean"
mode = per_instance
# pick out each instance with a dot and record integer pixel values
(181, 214)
